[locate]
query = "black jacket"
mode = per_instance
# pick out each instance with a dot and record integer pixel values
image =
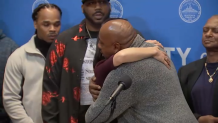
(188, 75)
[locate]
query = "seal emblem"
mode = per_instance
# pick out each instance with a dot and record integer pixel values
(190, 11)
(116, 9)
(203, 55)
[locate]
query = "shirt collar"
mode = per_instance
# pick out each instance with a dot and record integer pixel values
(138, 41)
(31, 47)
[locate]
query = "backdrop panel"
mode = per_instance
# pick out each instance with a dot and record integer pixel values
(177, 24)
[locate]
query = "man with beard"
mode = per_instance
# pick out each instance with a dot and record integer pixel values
(69, 67)
(22, 87)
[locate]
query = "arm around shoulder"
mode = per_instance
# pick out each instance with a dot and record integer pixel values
(133, 54)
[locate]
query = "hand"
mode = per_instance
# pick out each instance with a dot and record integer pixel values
(162, 56)
(208, 119)
(94, 89)
(155, 42)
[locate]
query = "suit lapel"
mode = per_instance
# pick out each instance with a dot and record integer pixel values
(215, 100)
(195, 75)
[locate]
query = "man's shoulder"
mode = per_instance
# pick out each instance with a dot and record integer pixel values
(138, 32)
(71, 32)
(193, 65)
(145, 67)
(148, 63)
(145, 71)
(16, 57)
(19, 52)
(6, 41)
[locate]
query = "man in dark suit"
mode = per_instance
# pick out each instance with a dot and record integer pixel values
(199, 79)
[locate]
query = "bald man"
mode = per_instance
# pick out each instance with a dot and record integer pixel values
(199, 79)
(155, 95)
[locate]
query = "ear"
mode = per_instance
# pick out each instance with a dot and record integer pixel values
(82, 8)
(117, 47)
(35, 25)
(109, 5)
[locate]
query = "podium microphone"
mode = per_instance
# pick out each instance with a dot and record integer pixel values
(124, 83)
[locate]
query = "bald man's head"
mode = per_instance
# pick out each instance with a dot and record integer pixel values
(214, 16)
(210, 34)
(115, 35)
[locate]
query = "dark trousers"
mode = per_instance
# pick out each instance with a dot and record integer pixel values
(82, 113)
(4, 118)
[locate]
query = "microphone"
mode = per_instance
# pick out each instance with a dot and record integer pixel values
(124, 83)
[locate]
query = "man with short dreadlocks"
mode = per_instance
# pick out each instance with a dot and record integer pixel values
(22, 86)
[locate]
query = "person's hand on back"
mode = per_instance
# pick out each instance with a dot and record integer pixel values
(94, 89)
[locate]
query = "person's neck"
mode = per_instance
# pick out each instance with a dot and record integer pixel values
(39, 38)
(92, 27)
(212, 57)
(41, 43)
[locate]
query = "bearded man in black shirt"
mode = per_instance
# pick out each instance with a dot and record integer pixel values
(69, 67)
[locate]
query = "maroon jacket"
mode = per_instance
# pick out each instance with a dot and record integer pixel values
(102, 69)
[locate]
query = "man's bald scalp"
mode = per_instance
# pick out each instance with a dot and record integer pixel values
(214, 16)
(118, 30)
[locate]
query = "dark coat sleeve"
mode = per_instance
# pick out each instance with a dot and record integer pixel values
(51, 83)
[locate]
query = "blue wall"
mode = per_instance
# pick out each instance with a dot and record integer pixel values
(156, 19)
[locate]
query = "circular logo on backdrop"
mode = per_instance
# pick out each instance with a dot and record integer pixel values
(203, 55)
(116, 9)
(190, 11)
(37, 3)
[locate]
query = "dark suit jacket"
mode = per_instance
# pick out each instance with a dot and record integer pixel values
(188, 75)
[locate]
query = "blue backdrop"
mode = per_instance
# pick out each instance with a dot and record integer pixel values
(177, 24)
